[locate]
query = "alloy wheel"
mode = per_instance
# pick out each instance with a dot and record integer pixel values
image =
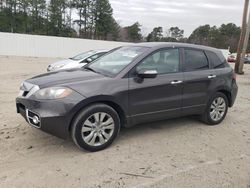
(97, 129)
(217, 109)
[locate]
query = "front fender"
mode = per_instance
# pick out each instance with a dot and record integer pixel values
(119, 105)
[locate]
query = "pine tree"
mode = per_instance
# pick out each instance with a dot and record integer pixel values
(80, 6)
(103, 18)
(55, 17)
(38, 14)
(134, 32)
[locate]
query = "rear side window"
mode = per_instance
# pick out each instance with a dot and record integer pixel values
(215, 60)
(195, 60)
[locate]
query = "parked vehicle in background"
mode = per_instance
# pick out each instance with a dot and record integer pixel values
(131, 85)
(77, 61)
(247, 59)
(231, 58)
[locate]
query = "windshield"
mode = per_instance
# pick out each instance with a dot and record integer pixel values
(83, 55)
(112, 63)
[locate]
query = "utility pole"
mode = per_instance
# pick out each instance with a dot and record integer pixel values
(240, 70)
(242, 36)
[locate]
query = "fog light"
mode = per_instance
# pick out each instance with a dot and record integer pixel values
(35, 120)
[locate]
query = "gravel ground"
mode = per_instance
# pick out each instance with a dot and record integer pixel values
(181, 152)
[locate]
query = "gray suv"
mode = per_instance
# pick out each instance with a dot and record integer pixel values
(129, 85)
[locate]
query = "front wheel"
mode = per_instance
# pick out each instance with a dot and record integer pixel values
(216, 109)
(96, 127)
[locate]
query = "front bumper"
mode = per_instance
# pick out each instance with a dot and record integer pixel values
(54, 116)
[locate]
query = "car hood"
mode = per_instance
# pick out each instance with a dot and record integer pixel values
(64, 77)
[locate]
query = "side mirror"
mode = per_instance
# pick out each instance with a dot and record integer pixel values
(147, 73)
(88, 60)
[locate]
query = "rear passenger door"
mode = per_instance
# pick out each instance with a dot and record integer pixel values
(199, 79)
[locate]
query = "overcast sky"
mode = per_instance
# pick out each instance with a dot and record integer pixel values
(186, 14)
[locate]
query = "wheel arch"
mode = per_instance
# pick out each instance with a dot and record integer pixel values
(227, 93)
(101, 100)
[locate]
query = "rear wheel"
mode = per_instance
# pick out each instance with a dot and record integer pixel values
(216, 109)
(96, 127)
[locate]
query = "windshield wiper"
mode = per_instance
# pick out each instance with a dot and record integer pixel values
(88, 68)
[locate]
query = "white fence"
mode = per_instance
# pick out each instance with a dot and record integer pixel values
(47, 46)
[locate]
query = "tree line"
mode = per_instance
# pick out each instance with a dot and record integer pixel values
(93, 19)
(225, 36)
(58, 18)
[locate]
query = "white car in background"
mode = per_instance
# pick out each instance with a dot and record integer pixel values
(77, 61)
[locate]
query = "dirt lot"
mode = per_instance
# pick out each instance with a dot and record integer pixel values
(175, 153)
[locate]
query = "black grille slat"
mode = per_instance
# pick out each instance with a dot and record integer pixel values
(25, 93)
(27, 89)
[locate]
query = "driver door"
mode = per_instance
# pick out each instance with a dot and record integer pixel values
(160, 97)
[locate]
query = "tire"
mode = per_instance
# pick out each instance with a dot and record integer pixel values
(209, 116)
(95, 127)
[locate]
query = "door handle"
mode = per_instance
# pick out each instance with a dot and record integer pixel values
(211, 76)
(176, 82)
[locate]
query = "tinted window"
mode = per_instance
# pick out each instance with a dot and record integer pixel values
(195, 60)
(215, 60)
(164, 61)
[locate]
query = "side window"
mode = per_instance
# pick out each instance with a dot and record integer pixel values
(164, 61)
(215, 60)
(93, 57)
(195, 60)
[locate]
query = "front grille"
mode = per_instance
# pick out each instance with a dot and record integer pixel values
(25, 93)
(27, 89)
(33, 118)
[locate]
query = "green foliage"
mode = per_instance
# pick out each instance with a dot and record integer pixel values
(54, 17)
(5, 20)
(95, 21)
(227, 35)
(105, 24)
(134, 32)
(176, 33)
(169, 39)
(55, 22)
(155, 35)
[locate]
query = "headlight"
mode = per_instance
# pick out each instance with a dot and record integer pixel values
(58, 66)
(53, 93)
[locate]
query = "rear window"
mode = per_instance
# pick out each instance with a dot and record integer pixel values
(215, 60)
(195, 60)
